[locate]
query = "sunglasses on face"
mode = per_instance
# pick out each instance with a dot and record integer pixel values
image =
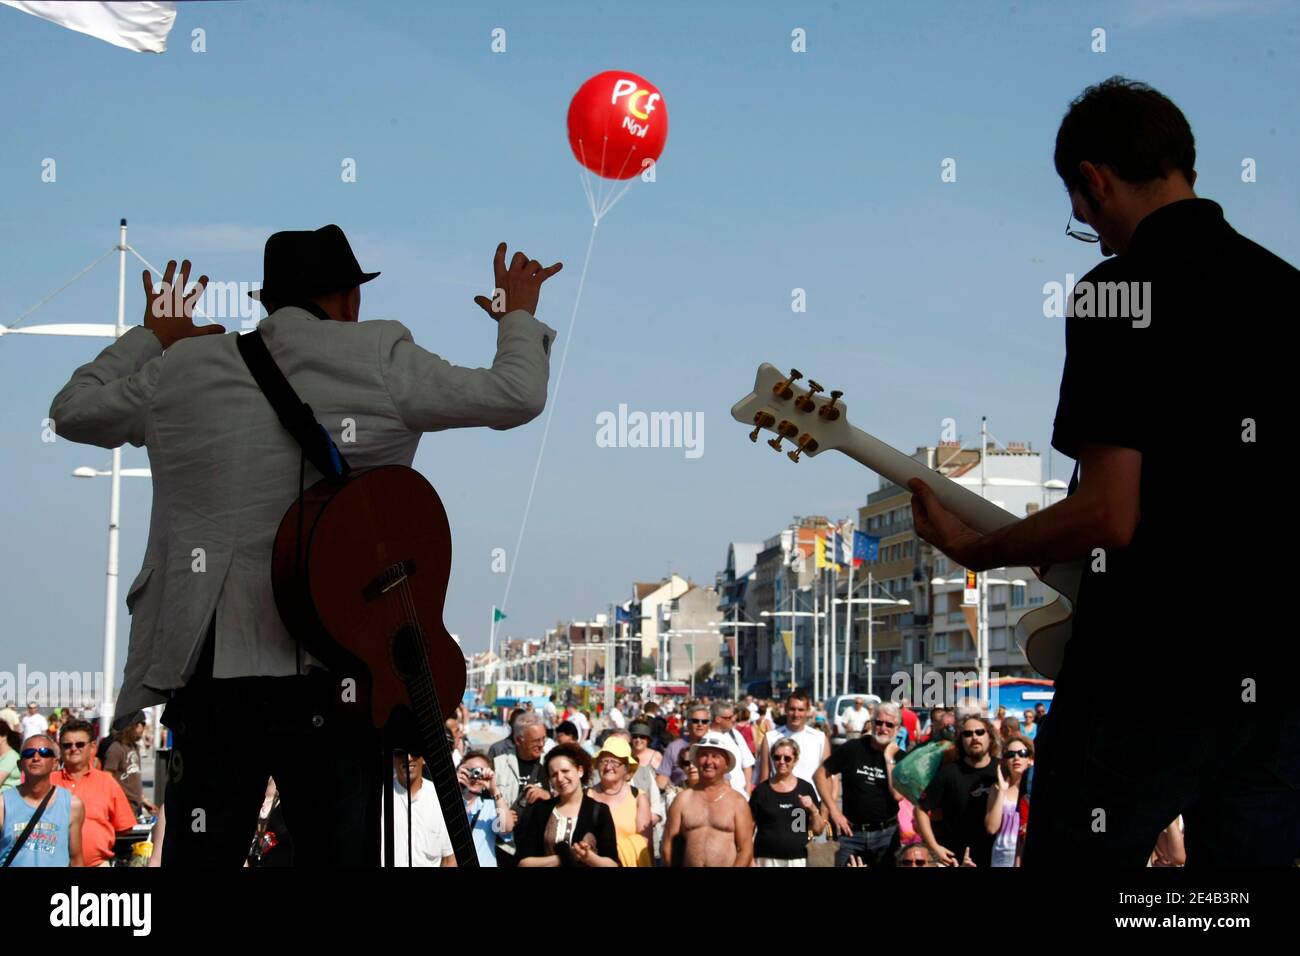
(907, 862)
(967, 734)
(782, 758)
(31, 752)
(1017, 754)
(76, 744)
(699, 720)
(885, 723)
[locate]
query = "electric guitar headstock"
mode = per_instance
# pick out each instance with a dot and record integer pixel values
(777, 404)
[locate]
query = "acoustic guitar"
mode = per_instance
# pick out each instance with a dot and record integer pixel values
(363, 590)
(778, 405)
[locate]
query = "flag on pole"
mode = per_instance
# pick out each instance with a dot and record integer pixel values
(622, 615)
(787, 638)
(828, 553)
(139, 25)
(866, 547)
(497, 614)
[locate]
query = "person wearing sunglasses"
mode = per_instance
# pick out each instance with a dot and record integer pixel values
(1007, 816)
(55, 839)
(108, 811)
(698, 719)
(950, 818)
(787, 812)
(867, 826)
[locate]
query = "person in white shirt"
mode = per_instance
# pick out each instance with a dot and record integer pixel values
(582, 723)
(855, 719)
(34, 722)
(430, 844)
(616, 718)
(724, 722)
(814, 746)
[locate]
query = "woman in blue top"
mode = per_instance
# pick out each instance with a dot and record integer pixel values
(56, 838)
(486, 807)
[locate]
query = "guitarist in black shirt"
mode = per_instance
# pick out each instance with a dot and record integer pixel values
(1170, 345)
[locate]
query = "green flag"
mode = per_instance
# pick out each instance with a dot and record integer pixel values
(497, 615)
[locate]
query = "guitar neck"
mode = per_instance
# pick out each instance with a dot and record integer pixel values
(980, 513)
(437, 754)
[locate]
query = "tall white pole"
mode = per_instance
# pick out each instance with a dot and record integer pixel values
(609, 664)
(830, 608)
(848, 617)
(817, 651)
(871, 635)
(114, 509)
(735, 655)
(981, 617)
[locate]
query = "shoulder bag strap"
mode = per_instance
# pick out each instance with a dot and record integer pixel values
(27, 830)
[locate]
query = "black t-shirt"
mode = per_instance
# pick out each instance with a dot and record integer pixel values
(781, 820)
(957, 801)
(865, 782)
(1182, 385)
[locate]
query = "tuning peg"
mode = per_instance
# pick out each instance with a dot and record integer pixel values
(829, 411)
(806, 444)
(775, 443)
(782, 388)
(805, 402)
(761, 420)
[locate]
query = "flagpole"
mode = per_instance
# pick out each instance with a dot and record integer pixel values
(492, 643)
(817, 647)
(848, 617)
(831, 605)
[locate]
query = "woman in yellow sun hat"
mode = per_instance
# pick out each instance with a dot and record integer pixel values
(633, 823)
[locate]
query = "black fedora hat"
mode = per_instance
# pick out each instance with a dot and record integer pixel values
(306, 263)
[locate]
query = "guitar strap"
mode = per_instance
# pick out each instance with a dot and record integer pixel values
(294, 414)
(297, 418)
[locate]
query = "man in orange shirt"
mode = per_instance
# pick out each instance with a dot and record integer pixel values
(107, 810)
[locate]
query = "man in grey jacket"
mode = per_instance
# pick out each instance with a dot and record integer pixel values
(205, 633)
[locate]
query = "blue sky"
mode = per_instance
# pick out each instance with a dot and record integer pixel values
(817, 170)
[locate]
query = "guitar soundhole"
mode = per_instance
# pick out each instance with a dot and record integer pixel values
(407, 651)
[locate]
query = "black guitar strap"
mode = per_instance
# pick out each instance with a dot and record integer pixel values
(294, 414)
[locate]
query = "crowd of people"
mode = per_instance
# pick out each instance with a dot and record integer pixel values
(714, 782)
(708, 782)
(65, 794)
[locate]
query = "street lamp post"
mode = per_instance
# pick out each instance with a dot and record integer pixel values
(735, 653)
(981, 623)
(794, 680)
(871, 649)
(117, 473)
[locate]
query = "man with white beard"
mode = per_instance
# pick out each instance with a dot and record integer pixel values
(867, 825)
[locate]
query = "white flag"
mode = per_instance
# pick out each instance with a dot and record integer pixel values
(142, 26)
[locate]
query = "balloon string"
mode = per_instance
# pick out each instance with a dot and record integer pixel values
(550, 413)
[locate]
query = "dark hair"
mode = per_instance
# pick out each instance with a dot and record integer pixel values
(575, 753)
(1135, 130)
(85, 726)
(14, 737)
(799, 695)
(567, 727)
(476, 755)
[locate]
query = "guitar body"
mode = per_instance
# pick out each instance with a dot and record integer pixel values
(1042, 633)
(363, 591)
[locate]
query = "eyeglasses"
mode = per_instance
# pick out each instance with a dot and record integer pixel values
(967, 734)
(1079, 233)
(885, 723)
(699, 720)
(609, 762)
(640, 737)
(76, 744)
(1017, 754)
(31, 752)
(782, 758)
(913, 862)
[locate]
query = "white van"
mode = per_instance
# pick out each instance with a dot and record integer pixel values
(838, 705)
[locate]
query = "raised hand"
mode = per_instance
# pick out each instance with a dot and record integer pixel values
(169, 312)
(518, 286)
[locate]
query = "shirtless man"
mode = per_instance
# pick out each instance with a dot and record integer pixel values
(710, 824)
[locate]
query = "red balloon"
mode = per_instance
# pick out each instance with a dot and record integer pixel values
(617, 120)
